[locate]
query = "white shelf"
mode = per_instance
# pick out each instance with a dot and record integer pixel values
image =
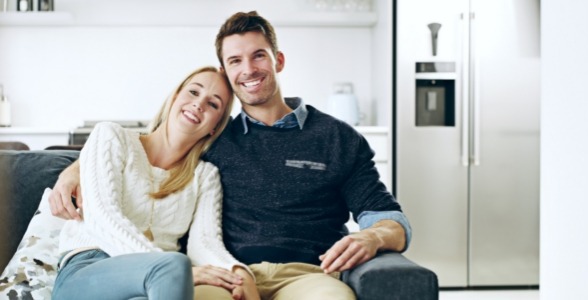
(34, 18)
(328, 19)
(433, 76)
(297, 19)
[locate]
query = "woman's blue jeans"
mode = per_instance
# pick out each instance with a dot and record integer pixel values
(94, 274)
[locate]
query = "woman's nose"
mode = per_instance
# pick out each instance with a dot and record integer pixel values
(198, 106)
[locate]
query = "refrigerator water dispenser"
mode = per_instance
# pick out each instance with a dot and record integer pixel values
(435, 94)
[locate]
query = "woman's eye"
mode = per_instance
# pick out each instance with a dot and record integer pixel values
(195, 93)
(213, 105)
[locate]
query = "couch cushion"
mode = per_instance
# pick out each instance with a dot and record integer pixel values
(31, 272)
(24, 175)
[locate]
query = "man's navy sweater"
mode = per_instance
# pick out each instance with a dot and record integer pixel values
(288, 192)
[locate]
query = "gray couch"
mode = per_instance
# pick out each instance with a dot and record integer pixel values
(25, 174)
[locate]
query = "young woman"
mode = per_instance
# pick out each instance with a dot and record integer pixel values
(141, 194)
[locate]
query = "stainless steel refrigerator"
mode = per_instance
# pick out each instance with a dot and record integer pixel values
(467, 137)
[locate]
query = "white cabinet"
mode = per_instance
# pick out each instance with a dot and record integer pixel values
(35, 138)
(379, 141)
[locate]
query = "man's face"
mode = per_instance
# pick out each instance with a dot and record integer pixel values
(252, 68)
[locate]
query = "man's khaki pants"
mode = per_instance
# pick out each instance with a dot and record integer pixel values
(285, 282)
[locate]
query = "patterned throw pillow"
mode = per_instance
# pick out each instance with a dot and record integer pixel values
(31, 272)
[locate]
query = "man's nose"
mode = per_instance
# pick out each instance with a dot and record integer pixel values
(248, 67)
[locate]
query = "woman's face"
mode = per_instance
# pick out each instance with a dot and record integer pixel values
(199, 106)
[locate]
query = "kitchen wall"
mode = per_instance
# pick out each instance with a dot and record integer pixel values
(120, 59)
(564, 226)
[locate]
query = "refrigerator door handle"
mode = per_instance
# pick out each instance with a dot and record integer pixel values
(465, 92)
(474, 92)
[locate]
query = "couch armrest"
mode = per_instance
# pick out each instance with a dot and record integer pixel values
(392, 276)
(23, 177)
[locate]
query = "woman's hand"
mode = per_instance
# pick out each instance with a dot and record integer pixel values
(67, 185)
(216, 276)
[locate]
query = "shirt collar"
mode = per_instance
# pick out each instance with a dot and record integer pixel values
(293, 119)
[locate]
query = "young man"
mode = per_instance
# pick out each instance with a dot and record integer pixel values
(290, 176)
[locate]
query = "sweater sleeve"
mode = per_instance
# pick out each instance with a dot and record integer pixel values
(205, 241)
(363, 190)
(366, 195)
(102, 163)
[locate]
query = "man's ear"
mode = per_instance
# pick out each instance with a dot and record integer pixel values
(221, 69)
(280, 61)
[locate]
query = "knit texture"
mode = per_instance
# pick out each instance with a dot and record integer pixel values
(116, 179)
(288, 192)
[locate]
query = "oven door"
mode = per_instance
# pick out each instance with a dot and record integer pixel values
(79, 136)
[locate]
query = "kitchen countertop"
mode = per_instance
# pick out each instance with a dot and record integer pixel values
(34, 130)
(61, 130)
(372, 129)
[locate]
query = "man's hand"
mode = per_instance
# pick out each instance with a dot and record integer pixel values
(238, 293)
(349, 252)
(248, 290)
(216, 276)
(66, 187)
(359, 247)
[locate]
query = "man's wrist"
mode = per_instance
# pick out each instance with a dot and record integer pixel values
(389, 235)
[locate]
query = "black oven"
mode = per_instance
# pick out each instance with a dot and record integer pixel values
(80, 135)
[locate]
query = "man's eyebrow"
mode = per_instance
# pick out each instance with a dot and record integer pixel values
(254, 52)
(232, 57)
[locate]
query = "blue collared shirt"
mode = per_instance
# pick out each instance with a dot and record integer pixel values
(296, 118)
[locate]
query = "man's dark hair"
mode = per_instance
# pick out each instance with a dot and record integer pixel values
(241, 23)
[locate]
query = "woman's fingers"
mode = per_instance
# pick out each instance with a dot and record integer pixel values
(216, 276)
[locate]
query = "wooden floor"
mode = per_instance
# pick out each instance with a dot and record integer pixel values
(490, 295)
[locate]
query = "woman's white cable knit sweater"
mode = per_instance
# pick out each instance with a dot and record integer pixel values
(116, 179)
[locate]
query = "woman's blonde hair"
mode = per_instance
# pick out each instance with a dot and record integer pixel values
(182, 173)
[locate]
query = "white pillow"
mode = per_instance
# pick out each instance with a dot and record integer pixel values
(31, 272)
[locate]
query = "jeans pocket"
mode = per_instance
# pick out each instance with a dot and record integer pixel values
(66, 258)
(59, 266)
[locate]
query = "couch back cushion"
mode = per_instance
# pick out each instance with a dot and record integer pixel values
(23, 177)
